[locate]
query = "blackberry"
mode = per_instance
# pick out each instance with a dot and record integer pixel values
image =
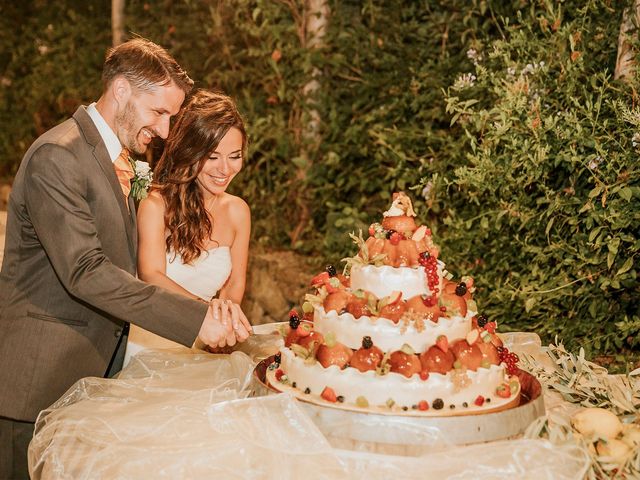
(367, 343)
(461, 289)
(452, 406)
(331, 270)
(465, 404)
(437, 404)
(294, 385)
(390, 232)
(405, 408)
(340, 398)
(277, 358)
(294, 321)
(307, 390)
(488, 400)
(482, 319)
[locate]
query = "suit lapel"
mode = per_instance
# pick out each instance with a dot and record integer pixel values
(101, 156)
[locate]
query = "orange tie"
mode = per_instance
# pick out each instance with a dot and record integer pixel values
(124, 171)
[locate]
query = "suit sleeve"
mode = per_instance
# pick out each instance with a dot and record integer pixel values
(55, 197)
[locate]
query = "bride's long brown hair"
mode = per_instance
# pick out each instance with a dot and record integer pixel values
(202, 123)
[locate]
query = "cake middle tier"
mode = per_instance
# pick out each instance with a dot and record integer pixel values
(382, 281)
(385, 334)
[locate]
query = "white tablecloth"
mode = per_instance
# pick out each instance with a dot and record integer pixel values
(186, 414)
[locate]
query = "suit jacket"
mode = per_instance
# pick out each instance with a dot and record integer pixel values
(68, 285)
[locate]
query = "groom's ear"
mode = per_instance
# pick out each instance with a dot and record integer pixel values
(121, 90)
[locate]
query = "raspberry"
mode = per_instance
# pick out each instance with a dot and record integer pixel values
(395, 238)
(479, 401)
(424, 375)
(279, 374)
(423, 405)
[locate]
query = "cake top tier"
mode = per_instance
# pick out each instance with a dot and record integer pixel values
(398, 241)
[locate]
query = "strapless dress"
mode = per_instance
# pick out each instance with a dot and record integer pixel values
(204, 278)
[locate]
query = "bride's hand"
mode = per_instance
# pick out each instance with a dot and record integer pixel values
(231, 312)
(241, 326)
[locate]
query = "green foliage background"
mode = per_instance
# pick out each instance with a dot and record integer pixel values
(526, 171)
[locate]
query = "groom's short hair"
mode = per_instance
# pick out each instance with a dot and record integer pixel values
(145, 65)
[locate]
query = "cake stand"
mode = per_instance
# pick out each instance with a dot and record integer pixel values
(412, 433)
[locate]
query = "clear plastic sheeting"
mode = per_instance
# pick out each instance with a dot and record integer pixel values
(187, 414)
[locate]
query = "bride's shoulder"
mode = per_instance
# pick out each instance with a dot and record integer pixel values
(152, 204)
(237, 208)
(236, 204)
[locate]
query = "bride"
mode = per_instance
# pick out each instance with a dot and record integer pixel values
(193, 236)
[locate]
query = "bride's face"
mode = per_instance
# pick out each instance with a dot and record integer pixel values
(223, 164)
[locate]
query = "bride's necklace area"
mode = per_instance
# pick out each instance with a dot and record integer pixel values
(209, 204)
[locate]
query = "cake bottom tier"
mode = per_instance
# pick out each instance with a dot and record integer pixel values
(443, 394)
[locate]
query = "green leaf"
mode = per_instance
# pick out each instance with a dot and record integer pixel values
(528, 305)
(626, 193)
(626, 266)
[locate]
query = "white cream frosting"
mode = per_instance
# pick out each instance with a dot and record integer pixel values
(385, 334)
(384, 280)
(350, 383)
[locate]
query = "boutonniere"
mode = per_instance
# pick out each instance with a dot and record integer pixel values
(141, 181)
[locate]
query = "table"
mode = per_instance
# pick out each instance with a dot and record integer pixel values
(182, 413)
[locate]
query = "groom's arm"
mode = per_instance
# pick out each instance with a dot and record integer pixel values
(55, 196)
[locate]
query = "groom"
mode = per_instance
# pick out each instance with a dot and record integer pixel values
(68, 287)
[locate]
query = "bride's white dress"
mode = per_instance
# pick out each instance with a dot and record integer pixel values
(203, 278)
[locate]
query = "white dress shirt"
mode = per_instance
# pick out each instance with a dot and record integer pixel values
(110, 139)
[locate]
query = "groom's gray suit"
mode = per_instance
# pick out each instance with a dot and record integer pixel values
(68, 286)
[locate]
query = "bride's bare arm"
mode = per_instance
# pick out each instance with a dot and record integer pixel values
(152, 260)
(240, 216)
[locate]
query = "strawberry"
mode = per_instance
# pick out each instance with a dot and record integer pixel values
(469, 356)
(337, 354)
(329, 395)
(405, 364)
(442, 343)
(375, 246)
(401, 223)
(337, 301)
(393, 311)
(312, 341)
(489, 352)
(436, 360)
(320, 279)
(365, 359)
(455, 305)
(479, 401)
(417, 304)
(407, 253)
(424, 374)
(358, 307)
(391, 253)
(279, 374)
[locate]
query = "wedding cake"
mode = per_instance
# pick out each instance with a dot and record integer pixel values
(394, 333)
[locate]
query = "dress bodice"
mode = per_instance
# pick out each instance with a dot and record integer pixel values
(205, 276)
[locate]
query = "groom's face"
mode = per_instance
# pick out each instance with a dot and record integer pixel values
(147, 114)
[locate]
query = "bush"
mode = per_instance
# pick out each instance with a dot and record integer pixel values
(545, 195)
